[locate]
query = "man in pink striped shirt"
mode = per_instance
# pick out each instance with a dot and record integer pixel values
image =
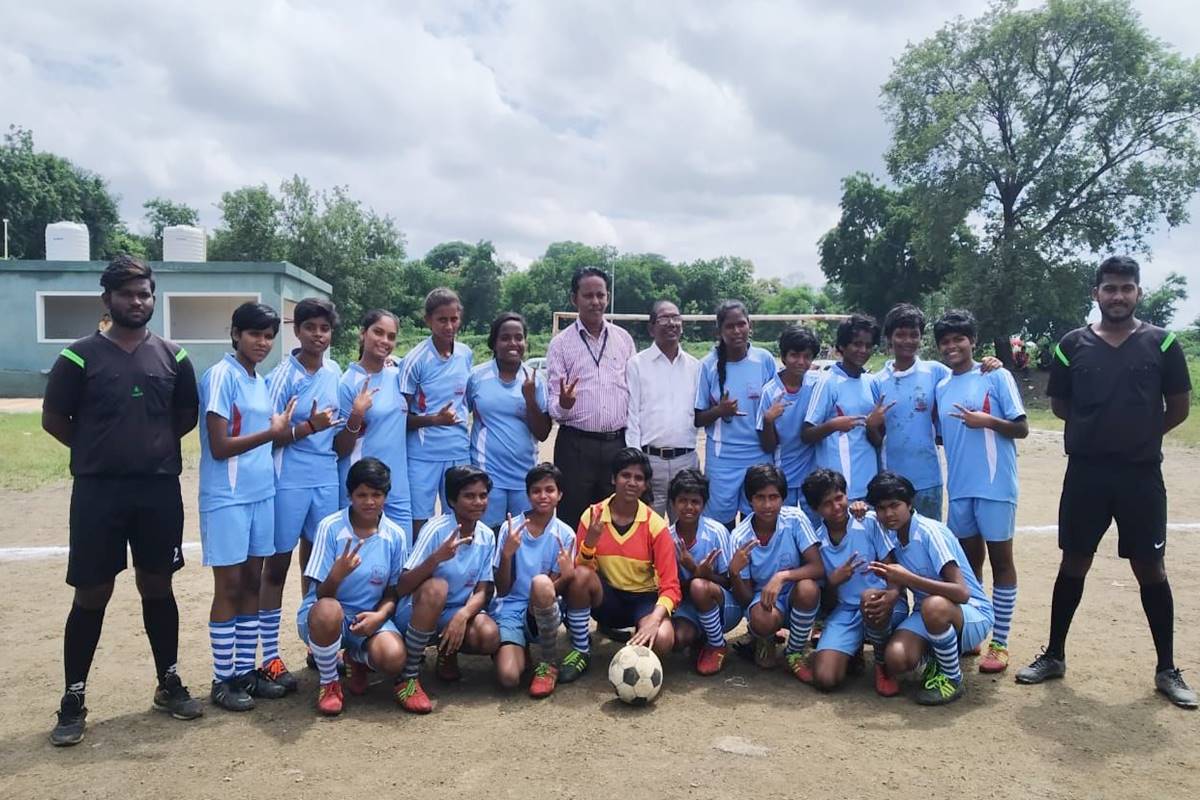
(589, 397)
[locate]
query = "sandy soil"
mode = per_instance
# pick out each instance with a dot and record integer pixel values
(1101, 732)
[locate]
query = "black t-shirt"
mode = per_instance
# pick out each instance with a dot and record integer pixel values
(122, 404)
(1116, 393)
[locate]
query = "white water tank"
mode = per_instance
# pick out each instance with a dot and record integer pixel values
(184, 243)
(67, 241)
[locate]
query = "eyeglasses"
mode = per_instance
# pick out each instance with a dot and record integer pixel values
(668, 319)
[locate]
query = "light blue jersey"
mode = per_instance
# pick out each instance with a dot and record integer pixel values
(537, 555)
(471, 565)
(242, 400)
(910, 441)
(931, 546)
(310, 462)
(792, 456)
(432, 382)
(383, 436)
(865, 537)
(501, 442)
(710, 535)
(979, 462)
(381, 560)
(852, 454)
(735, 438)
(784, 550)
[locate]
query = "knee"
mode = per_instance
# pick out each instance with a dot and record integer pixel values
(896, 658)
(93, 598)
(390, 657)
(685, 634)
(325, 613)
(508, 673)
(152, 586)
(664, 643)
(432, 593)
(937, 612)
(252, 576)
(485, 634)
(700, 591)
(1149, 573)
(806, 594)
(825, 676)
(541, 591)
(761, 622)
(276, 569)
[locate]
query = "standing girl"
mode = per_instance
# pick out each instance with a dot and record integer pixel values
(511, 417)
(376, 413)
(732, 376)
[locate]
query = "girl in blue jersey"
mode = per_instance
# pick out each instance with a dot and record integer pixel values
(451, 566)
(842, 407)
(509, 403)
(535, 561)
(775, 570)
(951, 612)
(781, 411)
(354, 575)
(732, 376)
(434, 379)
(306, 475)
(863, 606)
(376, 413)
(237, 502)
(709, 610)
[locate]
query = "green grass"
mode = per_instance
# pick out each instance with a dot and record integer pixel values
(1187, 434)
(32, 458)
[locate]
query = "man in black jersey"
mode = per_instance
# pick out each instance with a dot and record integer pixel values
(1119, 384)
(121, 400)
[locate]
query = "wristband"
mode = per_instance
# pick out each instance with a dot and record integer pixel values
(312, 431)
(355, 431)
(586, 551)
(294, 432)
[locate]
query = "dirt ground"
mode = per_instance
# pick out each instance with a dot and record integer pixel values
(1102, 732)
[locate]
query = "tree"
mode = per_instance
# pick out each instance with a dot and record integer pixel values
(1067, 129)
(479, 287)
(448, 256)
(37, 189)
(882, 251)
(250, 229)
(162, 213)
(1158, 305)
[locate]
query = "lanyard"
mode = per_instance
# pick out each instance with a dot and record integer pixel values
(588, 345)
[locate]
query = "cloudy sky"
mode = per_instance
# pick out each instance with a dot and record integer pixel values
(688, 129)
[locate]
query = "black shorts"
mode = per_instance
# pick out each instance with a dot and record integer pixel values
(1096, 492)
(107, 514)
(621, 609)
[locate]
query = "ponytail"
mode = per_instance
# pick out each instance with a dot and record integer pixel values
(723, 310)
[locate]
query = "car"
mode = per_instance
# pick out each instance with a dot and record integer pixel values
(821, 364)
(535, 363)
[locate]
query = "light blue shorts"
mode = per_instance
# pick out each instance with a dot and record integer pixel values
(501, 503)
(399, 511)
(928, 502)
(731, 613)
(298, 512)
(845, 629)
(232, 534)
(725, 495)
(404, 611)
(783, 602)
(995, 520)
(977, 624)
(355, 645)
(427, 481)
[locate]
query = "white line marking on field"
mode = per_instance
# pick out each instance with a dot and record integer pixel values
(36, 553)
(1171, 526)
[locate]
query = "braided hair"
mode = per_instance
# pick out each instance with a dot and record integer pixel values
(723, 311)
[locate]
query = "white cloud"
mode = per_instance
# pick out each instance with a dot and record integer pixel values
(683, 128)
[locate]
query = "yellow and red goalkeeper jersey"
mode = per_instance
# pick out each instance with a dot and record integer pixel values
(642, 560)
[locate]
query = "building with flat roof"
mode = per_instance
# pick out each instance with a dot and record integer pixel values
(46, 305)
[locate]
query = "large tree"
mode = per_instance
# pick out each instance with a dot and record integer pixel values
(39, 188)
(1067, 129)
(1158, 305)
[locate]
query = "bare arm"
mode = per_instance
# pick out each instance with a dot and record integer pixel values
(224, 446)
(1177, 406)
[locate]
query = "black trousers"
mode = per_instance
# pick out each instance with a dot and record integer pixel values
(586, 464)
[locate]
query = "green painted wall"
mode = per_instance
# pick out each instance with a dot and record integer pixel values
(24, 360)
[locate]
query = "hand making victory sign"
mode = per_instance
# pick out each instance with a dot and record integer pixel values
(566, 393)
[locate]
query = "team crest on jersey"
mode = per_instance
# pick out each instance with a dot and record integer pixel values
(378, 576)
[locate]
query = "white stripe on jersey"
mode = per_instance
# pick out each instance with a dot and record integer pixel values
(231, 468)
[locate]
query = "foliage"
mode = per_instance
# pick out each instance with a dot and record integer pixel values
(1065, 128)
(1158, 305)
(163, 213)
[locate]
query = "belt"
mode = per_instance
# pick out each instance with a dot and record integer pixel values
(667, 452)
(603, 436)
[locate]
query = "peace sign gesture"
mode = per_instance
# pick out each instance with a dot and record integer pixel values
(282, 422)
(595, 526)
(846, 569)
(566, 561)
(876, 417)
(529, 387)
(448, 548)
(705, 568)
(363, 400)
(775, 411)
(346, 563)
(972, 419)
(512, 542)
(566, 393)
(741, 557)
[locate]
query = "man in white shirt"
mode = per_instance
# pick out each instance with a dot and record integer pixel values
(662, 383)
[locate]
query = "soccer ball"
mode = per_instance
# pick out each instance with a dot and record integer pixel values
(636, 675)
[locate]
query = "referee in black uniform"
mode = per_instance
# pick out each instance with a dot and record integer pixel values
(121, 400)
(1119, 384)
